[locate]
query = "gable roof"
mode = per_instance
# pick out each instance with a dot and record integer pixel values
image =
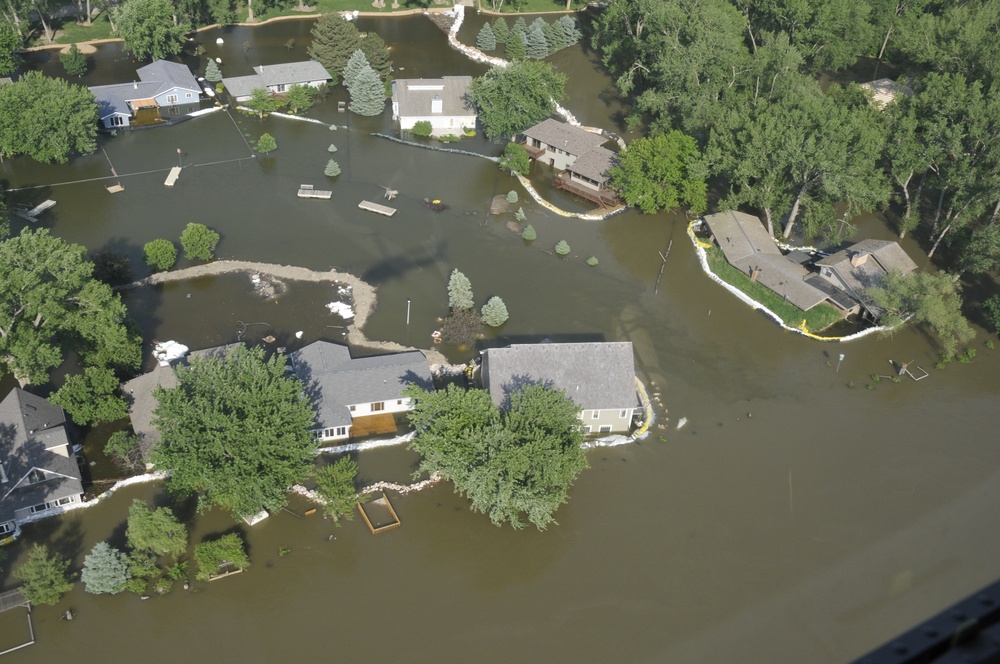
(597, 375)
(740, 235)
(785, 277)
(32, 435)
(334, 380)
(864, 262)
(566, 137)
(289, 73)
(168, 75)
(414, 96)
(594, 164)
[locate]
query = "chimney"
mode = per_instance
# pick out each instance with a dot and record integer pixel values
(859, 259)
(437, 106)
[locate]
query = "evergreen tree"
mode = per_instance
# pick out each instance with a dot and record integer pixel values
(367, 93)
(332, 169)
(212, 72)
(73, 61)
(555, 37)
(105, 570)
(529, 233)
(536, 47)
(571, 29)
(486, 40)
(377, 52)
(355, 64)
(460, 291)
(500, 30)
(495, 312)
(332, 148)
(520, 25)
(334, 40)
(515, 47)
(266, 144)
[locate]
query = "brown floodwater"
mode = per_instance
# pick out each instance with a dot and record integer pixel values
(798, 516)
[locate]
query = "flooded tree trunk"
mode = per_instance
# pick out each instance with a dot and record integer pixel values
(49, 36)
(996, 214)
(770, 221)
(249, 11)
(905, 186)
(881, 51)
(795, 210)
(948, 227)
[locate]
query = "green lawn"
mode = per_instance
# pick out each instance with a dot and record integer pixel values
(818, 318)
(68, 31)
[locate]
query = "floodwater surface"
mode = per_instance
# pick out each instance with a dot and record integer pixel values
(798, 516)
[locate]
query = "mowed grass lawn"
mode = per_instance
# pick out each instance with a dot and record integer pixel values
(817, 319)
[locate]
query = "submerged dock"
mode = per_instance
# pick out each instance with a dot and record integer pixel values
(377, 208)
(307, 191)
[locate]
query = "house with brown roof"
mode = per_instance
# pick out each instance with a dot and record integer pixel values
(444, 102)
(599, 377)
(38, 469)
(578, 156)
(862, 265)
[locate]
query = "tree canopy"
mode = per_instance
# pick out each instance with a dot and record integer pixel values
(335, 484)
(149, 29)
(512, 98)
(155, 530)
(51, 304)
(93, 397)
(662, 171)
(105, 570)
(45, 576)
(516, 465)
(46, 118)
(236, 430)
(334, 40)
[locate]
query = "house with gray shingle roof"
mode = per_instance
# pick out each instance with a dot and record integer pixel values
(161, 84)
(599, 377)
(38, 469)
(444, 102)
(578, 156)
(863, 264)
(277, 79)
(346, 390)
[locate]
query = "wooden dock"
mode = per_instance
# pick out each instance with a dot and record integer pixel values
(175, 173)
(375, 207)
(307, 191)
(32, 214)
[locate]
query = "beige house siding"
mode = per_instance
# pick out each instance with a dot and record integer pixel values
(598, 421)
(556, 157)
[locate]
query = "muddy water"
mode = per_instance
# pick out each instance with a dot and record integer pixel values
(798, 516)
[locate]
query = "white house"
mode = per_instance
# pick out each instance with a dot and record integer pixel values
(277, 79)
(161, 84)
(443, 102)
(599, 377)
(346, 391)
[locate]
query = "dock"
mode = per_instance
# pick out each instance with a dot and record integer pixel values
(175, 173)
(307, 191)
(375, 207)
(32, 214)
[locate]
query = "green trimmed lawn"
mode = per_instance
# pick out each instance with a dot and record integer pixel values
(68, 31)
(817, 319)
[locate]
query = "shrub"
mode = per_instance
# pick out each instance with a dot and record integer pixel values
(212, 72)
(495, 312)
(449, 138)
(160, 254)
(515, 158)
(562, 248)
(520, 216)
(45, 576)
(460, 291)
(332, 148)
(266, 144)
(136, 585)
(461, 327)
(512, 196)
(592, 261)
(422, 128)
(529, 233)
(199, 242)
(73, 61)
(332, 169)
(105, 570)
(210, 555)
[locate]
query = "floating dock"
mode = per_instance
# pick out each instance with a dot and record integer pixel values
(307, 191)
(175, 173)
(375, 207)
(32, 214)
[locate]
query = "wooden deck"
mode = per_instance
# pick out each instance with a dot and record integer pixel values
(172, 177)
(307, 191)
(373, 425)
(375, 207)
(603, 197)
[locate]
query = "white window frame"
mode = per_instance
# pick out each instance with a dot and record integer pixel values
(623, 414)
(65, 500)
(378, 406)
(586, 428)
(6, 527)
(604, 428)
(38, 509)
(595, 415)
(172, 99)
(341, 431)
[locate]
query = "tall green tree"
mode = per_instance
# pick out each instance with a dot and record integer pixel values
(262, 102)
(517, 465)
(45, 576)
(46, 118)
(662, 171)
(929, 299)
(355, 65)
(500, 29)
(155, 530)
(377, 53)
(149, 29)
(335, 484)
(334, 40)
(73, 61)
(236, 430)
(105, 570)
(486, 40)
(300, 98)
(460, 291)
(954, 38)
(93, 397)
(51, 304)
(213, 73)
(367, 93)
(199, 242)
(10, 44)
(512, 98)
(516, 49)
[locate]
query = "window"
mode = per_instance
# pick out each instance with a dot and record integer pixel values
(6, 527)
(587, 428)
(62, 501)
(605, 428)
(188, 95)
(116, 121)
(399, 402)
(35, 509)
(341, 432)
(352, 408)
(622, 414)
(378, 406)
(172, 99)
(595, 415)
